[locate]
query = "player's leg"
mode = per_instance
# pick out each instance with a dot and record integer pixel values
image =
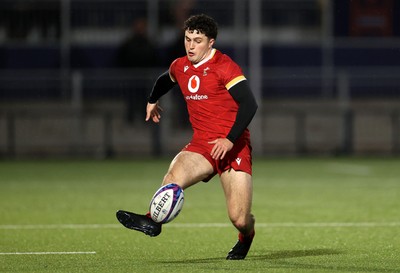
(186, 169)
(238, 189)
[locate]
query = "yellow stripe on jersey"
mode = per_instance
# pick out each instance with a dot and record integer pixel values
(235, 81)
(171, 77)
(169, 71)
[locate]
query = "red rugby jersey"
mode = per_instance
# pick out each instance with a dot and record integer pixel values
(212, 110)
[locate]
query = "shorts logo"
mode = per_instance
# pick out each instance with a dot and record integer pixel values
(194, 84)
(238, 160)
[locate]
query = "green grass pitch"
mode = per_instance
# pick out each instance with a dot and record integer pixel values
(312, 215)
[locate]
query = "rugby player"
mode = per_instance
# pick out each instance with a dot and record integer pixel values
(220, 106)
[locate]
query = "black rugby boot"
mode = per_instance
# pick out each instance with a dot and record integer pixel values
(241, 248)
(139, 222)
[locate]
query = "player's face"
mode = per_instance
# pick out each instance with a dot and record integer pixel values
(197, 45)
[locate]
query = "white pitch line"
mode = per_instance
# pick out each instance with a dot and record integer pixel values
(209, 225)
(50, 253)
(61, 226)
(355, 224)
(292, 225)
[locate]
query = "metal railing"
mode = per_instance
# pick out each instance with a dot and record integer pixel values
(61, 52)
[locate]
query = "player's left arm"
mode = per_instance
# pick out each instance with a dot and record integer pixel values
(242, 94)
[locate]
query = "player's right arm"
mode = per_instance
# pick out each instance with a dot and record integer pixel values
(153, 111)
(162, 85)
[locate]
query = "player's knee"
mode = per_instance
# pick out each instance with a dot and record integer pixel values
(243, 222)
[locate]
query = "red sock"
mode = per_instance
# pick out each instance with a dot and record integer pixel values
(247, 238)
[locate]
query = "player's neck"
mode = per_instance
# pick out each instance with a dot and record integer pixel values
(207, 56)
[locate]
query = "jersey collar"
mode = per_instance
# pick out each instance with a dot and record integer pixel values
(206, 59)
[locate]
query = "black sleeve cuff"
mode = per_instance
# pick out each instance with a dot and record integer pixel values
(162, 85)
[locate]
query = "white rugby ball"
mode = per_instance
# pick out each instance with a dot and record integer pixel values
(166, 203)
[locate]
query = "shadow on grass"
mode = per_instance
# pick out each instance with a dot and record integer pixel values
(272, 255)
(285, 254)
(281, 259)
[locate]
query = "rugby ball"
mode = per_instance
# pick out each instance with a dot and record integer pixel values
(166, 203)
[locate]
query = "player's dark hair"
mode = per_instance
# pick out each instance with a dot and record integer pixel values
(203, 24)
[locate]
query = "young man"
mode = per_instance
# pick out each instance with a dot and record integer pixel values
(220, 106)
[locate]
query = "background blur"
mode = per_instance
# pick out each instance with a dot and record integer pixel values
(75, 74)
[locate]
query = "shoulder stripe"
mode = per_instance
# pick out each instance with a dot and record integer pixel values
(235, 81)
(171, 77)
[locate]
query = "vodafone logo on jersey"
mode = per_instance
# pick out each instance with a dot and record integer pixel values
(193, 87)
(194, 84)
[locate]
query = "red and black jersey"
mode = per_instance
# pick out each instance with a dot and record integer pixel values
(212, 109)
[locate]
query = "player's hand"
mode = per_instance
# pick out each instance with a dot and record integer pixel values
(221, 147)
(153, 111)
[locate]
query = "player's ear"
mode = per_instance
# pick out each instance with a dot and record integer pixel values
(211, 42)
